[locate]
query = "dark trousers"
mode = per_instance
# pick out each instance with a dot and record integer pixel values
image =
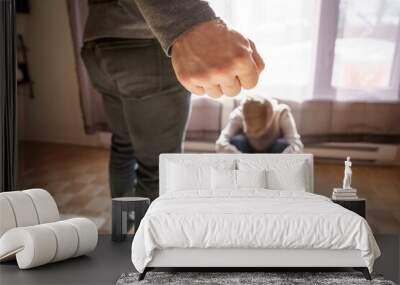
(146, 107)
(242, 144)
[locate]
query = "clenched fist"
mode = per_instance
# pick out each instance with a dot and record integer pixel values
(215, 60)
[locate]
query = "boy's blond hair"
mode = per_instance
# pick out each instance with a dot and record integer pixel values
(258, 113)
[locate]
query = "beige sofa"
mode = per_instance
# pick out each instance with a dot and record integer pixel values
(317, 121)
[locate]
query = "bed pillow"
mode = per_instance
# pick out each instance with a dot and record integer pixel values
(279, 180)
(251, 178)
(223, 179)
(188, 177)
(184, 174)
(282, 174)
(231, 180)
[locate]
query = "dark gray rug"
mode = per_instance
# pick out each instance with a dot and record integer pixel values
(243, 278)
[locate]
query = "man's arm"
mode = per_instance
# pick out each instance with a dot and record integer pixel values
(290, 134)
(207, 56)
(234, 126)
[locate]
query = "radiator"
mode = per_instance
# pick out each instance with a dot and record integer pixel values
(358, 151)
(367, 152)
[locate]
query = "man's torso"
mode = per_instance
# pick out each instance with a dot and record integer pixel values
(115, 19)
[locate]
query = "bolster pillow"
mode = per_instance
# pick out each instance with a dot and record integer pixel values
(7, 219)
(40, 244)
(26, 208)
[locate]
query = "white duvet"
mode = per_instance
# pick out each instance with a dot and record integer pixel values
(250, 219)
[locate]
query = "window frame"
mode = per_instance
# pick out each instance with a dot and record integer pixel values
(321, 77)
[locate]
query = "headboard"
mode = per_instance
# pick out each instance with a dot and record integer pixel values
(210, 157)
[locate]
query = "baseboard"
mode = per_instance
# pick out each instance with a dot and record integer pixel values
(104, 139)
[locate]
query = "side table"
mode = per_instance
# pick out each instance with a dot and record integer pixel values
(357, 206)
(124, 210)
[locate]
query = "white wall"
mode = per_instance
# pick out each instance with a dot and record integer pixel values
(54, 114)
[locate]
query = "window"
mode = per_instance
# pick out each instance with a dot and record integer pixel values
(343, 50)
(283, 31)
(365, 48)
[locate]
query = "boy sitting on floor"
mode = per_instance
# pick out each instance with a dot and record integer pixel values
(260, 125)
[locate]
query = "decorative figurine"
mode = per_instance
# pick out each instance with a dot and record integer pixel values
(347, 192)
(347, 174)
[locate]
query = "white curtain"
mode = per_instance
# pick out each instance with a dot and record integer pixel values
(91, 103)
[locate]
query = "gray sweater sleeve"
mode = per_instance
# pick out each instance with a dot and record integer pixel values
(168, 19)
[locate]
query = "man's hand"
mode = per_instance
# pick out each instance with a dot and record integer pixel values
(215, 60)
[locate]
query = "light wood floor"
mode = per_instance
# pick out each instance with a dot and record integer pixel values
(77, 178)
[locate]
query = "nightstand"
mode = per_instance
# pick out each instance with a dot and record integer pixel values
(358, 206)
(122, 208)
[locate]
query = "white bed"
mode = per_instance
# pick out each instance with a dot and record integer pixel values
(198, 223)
